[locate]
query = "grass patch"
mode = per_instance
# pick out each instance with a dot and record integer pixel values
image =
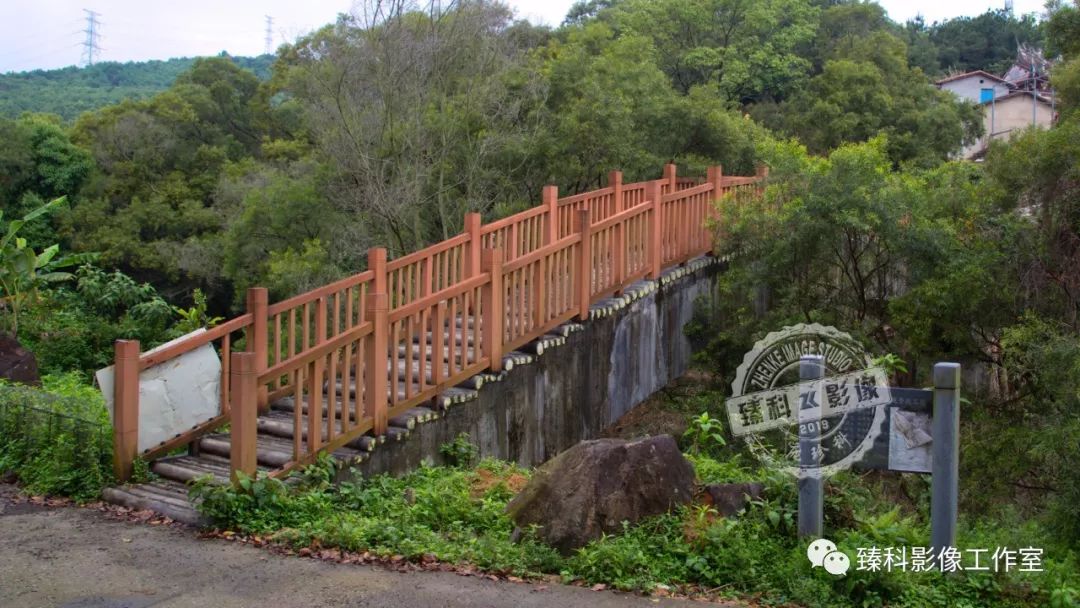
(56, 439)
(455, 514)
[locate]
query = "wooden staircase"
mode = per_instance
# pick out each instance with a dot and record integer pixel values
(208, 457)
(393, 346)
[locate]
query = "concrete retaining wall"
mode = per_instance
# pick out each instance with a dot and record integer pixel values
(630, 347)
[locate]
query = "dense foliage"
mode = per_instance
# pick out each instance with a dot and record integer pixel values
(456, 514)
(57, 440)
(384, 128)
(70, 91)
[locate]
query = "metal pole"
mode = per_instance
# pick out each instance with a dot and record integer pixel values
(946, 447)
(811, 485)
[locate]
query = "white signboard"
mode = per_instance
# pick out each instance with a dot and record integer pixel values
(174, 396)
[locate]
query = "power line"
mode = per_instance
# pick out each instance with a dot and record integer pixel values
(93, 35)
(269, 35)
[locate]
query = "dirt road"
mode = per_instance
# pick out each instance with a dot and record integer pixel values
(80, 558)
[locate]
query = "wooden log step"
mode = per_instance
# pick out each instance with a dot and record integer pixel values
(286, 445)
(132, 498)
(153, 492)
(280, 424)
(458, 395)
(287, 404)
(396, 433)
(428, 352)
(186, 469)
(456, 335)
(412, 417)
(265, 452)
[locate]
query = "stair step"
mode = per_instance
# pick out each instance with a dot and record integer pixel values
(281, 424)
(271, 456)
(140, 497)
(186, 469)
(272, 452)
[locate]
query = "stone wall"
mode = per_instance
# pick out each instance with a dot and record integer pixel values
(631, 347)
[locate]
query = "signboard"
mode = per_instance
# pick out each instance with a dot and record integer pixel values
(173, 396)
(905, 443)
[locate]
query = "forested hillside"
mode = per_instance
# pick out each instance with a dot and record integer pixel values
(386, 131)
(71, 91)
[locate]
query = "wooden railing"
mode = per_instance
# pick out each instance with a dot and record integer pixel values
(359, 351)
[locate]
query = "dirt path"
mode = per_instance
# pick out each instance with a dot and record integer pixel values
(81, 558)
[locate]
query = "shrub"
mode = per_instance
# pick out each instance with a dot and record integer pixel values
(57, 440)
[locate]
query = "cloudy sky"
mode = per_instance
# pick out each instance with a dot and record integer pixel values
(49, 33)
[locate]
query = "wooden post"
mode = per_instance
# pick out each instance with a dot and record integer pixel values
(761, 171)
(376, 260)
(550, 200)
(811, 495)
(258, 300)
(583, 271)
(473, 223)
(945, 473)
(493, 303)
(377, 365)
(656, 258)
(715, 176)
(125, 408)
(615, 181)
(670, 177)
(243, 423)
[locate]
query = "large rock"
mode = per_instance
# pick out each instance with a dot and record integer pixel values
(16, 363)
(596, 485)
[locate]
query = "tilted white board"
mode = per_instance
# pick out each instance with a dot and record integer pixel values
(174, 396)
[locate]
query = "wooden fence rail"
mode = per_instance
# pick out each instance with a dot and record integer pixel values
(353, 354)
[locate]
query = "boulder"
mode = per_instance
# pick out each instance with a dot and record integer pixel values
(16, 363)
(730, 498)
(595, 486)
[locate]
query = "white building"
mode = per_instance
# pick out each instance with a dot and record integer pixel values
(977, 86)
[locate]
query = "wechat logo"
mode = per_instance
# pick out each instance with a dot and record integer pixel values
(822, 552)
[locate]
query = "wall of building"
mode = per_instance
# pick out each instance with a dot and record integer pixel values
(1005, 117)
(1013, 114)
(633, 347)
(970, 88)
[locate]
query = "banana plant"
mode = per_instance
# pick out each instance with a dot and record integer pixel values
(24, 271)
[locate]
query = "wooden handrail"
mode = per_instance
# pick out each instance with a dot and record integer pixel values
(577, 198)
(427, 252)
(529, 258)
(157, 357)
(687, 192)
(306, 357)
(512, 219)
(440, 296)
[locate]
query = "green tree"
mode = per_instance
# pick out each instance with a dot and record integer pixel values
(749, 50)
(867, 88)
(24, 271)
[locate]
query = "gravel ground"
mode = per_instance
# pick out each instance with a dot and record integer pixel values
(77, 557)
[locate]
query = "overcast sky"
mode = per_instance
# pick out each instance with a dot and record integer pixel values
(49, 33)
